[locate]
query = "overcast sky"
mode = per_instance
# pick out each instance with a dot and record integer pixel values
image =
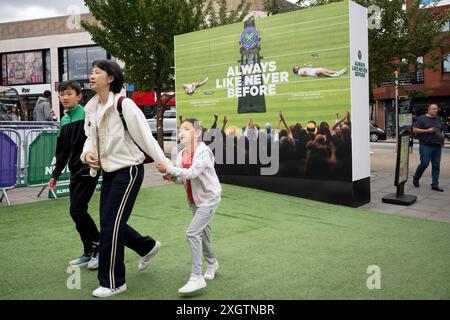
(13, 10)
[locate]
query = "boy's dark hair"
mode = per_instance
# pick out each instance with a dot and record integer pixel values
(112, 68)
(70, 84)
(47, 94)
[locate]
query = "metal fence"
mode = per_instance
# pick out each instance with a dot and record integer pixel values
(27, 154)
(23, 133)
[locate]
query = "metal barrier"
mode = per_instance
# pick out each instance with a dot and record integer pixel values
(36, 142)
(40, 146)
(21, 128)
(9, 151)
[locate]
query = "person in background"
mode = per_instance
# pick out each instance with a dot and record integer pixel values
(42, 109)
(14, 114)
(428, 127)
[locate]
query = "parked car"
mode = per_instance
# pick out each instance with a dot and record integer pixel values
(376, 133)
(169, 123)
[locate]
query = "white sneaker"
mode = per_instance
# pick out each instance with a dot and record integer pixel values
(195, 283)
(145, 260)
(342, 72)
(102, 292)
(81, 261)
(93, 263)
(211, 271)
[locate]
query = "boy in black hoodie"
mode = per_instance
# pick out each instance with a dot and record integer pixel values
(69, 147)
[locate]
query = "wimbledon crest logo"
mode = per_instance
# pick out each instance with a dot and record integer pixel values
(249, 38)
(359, 67)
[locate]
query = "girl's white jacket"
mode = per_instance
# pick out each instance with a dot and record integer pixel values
(112, 144)
(205, 184)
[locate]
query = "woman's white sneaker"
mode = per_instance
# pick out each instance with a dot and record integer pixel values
(195, 283)
(102, 292)
(211, 271)
(145, 260)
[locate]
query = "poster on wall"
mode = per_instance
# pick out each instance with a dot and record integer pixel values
(274, 97)
(24, 68)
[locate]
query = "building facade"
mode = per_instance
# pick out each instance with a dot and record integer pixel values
(38, 54)
(418, 87)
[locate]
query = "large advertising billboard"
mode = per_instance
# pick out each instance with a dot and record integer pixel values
(275, 99)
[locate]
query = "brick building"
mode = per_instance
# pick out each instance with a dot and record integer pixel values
(433, 86)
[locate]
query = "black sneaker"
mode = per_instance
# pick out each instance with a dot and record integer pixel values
(415, 182)
(437, 188)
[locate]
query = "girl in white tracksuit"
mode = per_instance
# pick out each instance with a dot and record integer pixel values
(195, 169)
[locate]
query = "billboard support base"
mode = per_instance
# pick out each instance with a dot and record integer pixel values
(403, 200)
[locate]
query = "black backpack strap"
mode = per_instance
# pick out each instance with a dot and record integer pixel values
(119, 109)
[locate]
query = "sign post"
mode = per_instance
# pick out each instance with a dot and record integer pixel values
(402, 165)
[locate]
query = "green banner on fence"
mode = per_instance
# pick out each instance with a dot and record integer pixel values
(41, 159)
(63, 190)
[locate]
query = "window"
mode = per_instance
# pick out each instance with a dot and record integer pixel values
(404, 67)
(446, 26)
(23, 68)
(77, 61)
(4, 77)
(419, 76)
(446, 65)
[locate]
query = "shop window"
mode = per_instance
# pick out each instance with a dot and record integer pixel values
(77, 61)
(446, 65)
(23, 68)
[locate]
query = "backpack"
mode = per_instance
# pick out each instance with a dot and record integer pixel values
(147, 159)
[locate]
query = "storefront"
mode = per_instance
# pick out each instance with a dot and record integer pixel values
(28, 97)
(29, 73)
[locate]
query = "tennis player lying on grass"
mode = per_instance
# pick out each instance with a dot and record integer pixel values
(191, 87)
(195, 169)
(318, 72)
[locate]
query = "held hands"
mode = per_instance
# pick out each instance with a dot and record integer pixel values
(169, 177)
(162, 167)
(431, 130)
(52, 183)
(92, 161)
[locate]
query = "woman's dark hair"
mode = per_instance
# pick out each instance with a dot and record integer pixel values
(112, 68)
(70, 84)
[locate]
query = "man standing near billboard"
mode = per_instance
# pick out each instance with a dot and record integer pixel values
(429, 129)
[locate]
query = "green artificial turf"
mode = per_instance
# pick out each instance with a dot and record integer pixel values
(269, 246)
